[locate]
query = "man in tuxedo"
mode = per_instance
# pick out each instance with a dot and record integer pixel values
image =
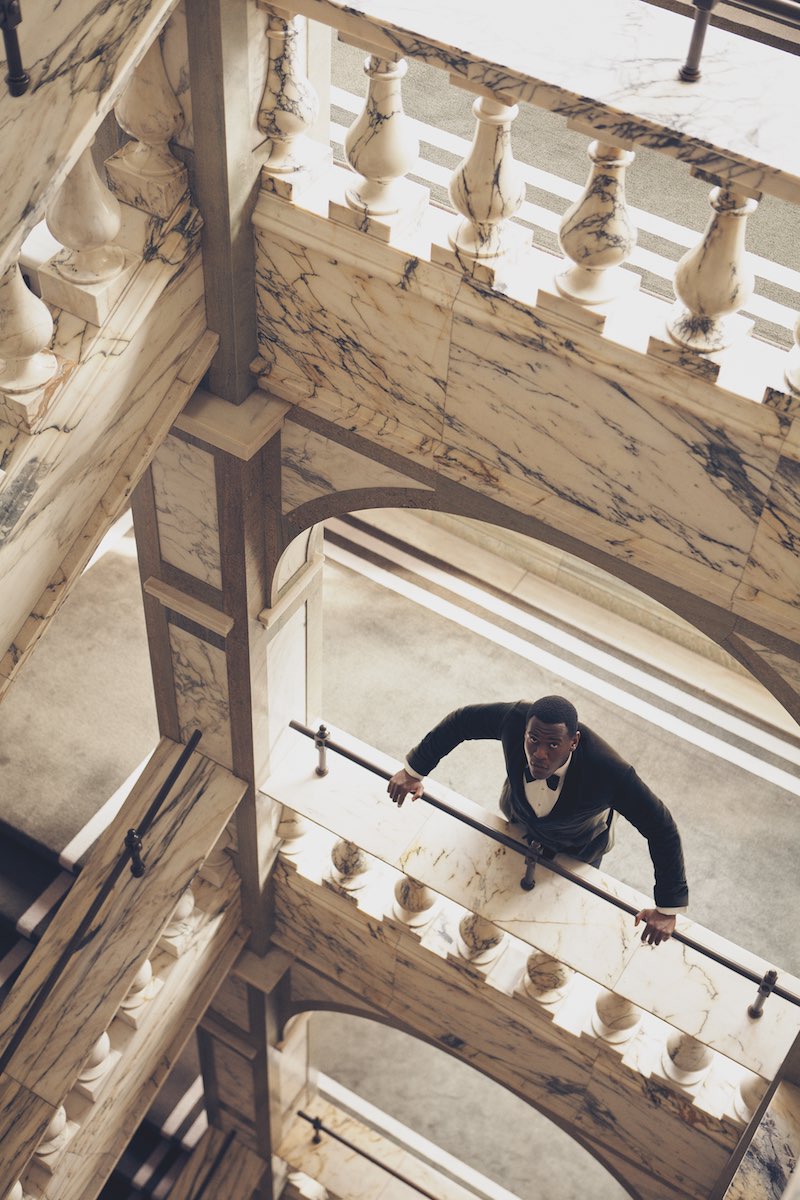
(563, 785)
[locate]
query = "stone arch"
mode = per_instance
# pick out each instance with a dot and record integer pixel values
(311, 1004)
(773, 660)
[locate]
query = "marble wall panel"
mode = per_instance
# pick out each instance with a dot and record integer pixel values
(234, 1076)
(314, 466)
(186, 503)
(286, 669)
(774, 568)
(201, 688)
(622, 1119)
(524, 405)
(332, 323)
(774, 1152)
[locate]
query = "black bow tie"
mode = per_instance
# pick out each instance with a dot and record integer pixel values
(552, 780)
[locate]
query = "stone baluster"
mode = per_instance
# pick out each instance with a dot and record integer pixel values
(382, 146)
(749, 1095)
(713, 279)
(487, 188)
(479, 941)
(615, 1019)
(16, 1192)
(26, 328)
(685, 1060)
(55, 1136)
(97, 1067)
(98, 1061)
(85, 217)
(180, 926)
(142, 990)
(144, 172)
(218, 860)
(414, 903)
(292, 828)
(350, 866)
(545, 979)
(288, 108)
(597, 232)
(793, 364)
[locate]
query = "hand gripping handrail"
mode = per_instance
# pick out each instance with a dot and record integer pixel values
(766, 983)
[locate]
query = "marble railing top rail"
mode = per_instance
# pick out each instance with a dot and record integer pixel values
(83, 1000)
(674, 982)
(79, 59)
(611, 67)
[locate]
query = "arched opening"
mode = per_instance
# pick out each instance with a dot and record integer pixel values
(457, 1109)
(394, 663)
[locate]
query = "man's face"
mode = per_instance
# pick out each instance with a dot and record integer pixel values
(547, 747)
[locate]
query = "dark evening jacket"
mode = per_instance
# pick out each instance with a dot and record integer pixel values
(598, 782)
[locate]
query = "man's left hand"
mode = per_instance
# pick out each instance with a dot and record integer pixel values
(658, 926)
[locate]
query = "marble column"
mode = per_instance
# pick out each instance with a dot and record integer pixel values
(749, 1095)
(350, 866)
(144, 172)
(88, 276)
(597, 232)
(545, 979)
(685, 1060)
(479, 941)
(414, 904)
(615, 1019)
(27, 366)
(714, 280)
(288, 110)
(85, 217)
(487, 188)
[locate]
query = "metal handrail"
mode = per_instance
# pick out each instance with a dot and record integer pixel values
(131, 856)
(320, 1127)
(766, 983)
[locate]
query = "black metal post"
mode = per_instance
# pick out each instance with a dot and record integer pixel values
(765, 989)
(528, 881)
(690, 71)
(321, 742)
(133, 844)
(18, 79)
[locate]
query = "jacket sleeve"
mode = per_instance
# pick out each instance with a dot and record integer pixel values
(471, 723)
(654, 821)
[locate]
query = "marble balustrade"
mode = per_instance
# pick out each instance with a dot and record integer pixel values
(502, 386)
(107, 989)
(353, 952)
(690, 993)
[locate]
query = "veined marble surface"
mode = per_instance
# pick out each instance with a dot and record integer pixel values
(79, 57)
(693, 481)
(201, 688)
(53, 481)
(676, 984)
(186, 504)
(303, 455)
(614, 66)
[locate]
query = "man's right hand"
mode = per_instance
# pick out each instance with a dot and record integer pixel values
(403, 784)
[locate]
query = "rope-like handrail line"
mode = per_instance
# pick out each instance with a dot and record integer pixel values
(75, 940)
(320, 1127)
(522, 848)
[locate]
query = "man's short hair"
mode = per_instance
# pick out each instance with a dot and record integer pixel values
(554, 710)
